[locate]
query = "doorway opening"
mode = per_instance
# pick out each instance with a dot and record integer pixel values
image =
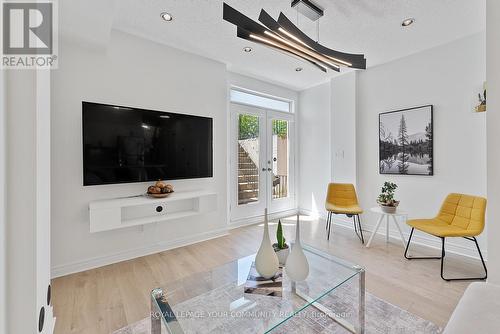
(262, 155)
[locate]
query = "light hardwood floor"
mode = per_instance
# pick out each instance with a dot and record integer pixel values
(108, 298)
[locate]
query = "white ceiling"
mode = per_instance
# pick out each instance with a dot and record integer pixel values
(372, 27)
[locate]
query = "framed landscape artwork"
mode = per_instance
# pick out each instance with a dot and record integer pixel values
(406, 141)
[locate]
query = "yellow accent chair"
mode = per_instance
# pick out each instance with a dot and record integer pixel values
(341, 199)
(460, 216)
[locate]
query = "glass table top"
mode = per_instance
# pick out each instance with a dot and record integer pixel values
(215, 301)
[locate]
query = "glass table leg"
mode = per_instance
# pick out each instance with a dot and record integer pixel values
(360, 329)
(155, 311)
(361, 316)
(161, 310)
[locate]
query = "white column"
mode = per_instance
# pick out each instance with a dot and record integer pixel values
(3, 190)
(28, 200)
(493, 137)
(43, 192)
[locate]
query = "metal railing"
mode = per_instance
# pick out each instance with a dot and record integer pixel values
(280, 186)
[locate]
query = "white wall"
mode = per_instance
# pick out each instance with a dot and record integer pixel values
(130, 72)
(314, 148)
(21, 275)
(445, 77)
(327, 129)
(3, 192)
(493, 131)
(343, 134)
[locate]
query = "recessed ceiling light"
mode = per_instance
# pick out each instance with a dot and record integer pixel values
(408, 21)
(247, 49)
(298, 69)
(166, 16)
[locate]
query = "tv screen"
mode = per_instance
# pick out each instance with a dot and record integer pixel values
(122, 145)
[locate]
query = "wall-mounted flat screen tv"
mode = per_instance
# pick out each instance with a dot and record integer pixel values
(122, 145)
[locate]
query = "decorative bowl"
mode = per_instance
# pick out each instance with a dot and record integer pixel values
(161, 195)
(388, 208)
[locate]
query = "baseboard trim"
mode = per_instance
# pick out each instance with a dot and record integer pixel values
(259, 219)
(96, 262)
(419, 239)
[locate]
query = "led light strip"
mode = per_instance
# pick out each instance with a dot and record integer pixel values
(315, 55)
(292, 36)
(283, 47)
(313, 52)
(301, 42)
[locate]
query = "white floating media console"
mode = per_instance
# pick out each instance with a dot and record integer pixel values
(132, 211)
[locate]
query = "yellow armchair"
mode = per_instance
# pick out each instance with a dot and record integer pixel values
(460, 216)
(341, 199)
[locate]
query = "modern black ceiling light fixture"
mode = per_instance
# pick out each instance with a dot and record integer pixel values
(308, 9)
(283, 35)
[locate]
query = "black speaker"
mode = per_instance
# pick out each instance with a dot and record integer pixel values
(49, 295)
(41, 319)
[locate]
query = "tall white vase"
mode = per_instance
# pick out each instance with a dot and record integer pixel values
(266, 260)
(297, 267)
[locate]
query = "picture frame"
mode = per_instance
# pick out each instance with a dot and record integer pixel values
(406, 141)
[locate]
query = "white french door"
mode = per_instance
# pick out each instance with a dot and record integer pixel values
(262, 161)
(281, 158)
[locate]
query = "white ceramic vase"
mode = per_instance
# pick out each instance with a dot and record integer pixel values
(297, 267)
(266, 261)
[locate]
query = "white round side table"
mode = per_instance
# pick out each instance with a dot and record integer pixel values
(387, 216)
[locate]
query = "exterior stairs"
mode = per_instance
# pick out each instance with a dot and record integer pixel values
(248, 178)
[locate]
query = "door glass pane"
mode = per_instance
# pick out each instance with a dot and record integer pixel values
(248, 159)
(280, 151)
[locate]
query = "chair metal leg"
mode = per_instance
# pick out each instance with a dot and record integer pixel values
(417, 257)
(361, 231)
(356, 225)
(329, 226)
(443, 254)
(360, 234)
(465, 278)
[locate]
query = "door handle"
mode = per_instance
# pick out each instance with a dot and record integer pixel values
(269, 169)
(263, 169)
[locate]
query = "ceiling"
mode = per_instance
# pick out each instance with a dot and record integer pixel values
(353, 26)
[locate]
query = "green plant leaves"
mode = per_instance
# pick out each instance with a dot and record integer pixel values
(280, 237)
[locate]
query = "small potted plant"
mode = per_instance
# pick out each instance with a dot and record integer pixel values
(386, 199)
(281, 248)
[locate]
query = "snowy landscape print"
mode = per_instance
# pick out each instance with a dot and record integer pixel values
(405, 142)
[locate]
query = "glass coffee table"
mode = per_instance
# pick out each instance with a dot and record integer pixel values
(331, 299)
